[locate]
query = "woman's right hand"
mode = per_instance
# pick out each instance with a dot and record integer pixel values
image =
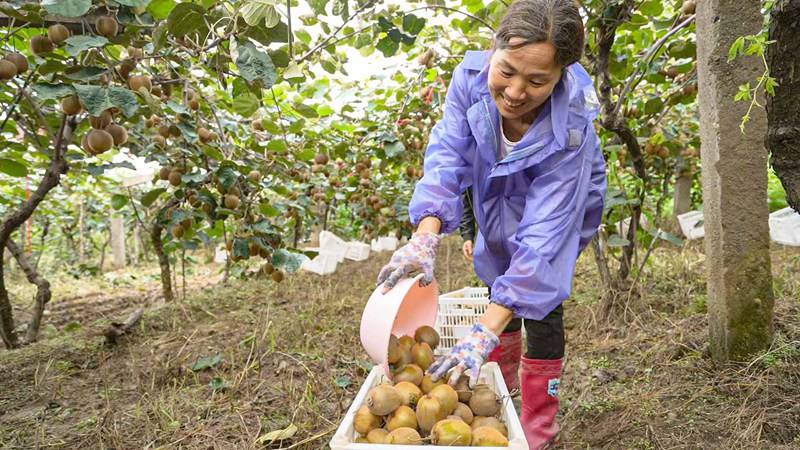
(418, 254)
(466, 249)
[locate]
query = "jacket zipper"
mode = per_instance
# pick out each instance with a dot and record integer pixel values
(496, 164)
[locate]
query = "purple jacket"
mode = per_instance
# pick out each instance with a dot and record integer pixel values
(538, 208)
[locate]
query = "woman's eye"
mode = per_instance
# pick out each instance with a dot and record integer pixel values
(505, 74)
(537, 84)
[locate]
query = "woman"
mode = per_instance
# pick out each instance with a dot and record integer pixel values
(518, 131)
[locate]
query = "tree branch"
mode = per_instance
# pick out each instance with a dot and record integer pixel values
(330, 36)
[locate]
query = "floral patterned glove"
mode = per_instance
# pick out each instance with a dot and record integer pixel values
(419, 253)
(470, 353)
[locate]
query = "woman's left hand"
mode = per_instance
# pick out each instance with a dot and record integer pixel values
(470, 353)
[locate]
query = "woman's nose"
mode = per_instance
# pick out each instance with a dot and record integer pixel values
(516, 91)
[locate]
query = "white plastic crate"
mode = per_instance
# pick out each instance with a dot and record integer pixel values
(345, 436)
(458, 310)
(333, 244)
(784, 226)
(689, 224)
(384, 243)
(323, 264)
(357, 251)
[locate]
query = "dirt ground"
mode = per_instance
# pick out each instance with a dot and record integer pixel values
(277, 355)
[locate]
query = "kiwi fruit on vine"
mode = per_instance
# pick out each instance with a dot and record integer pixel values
(159, 140)
(277, 276)
(101, 121)
(107, 26)
(193, 104)
(134, 52)
(58, 33)
(118, 132)
(140, 81)
(156, 91)
(203, 134)
(232, 201)
(41, 45)
(100, 141)
(175, 177)
(8, 69)
(163, 131)
(688, 7)
(257, 125)
(321, 158)
(163, 174)
(178, 232)
(20, 61)
(254, 176)
(85, 144)
(175, 131)
(71, 105)
(213, 136)
(127, 66)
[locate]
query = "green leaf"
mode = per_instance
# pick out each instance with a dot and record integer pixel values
(303, 35)
(736, 48)
(616, 240)
(318, 6)
(185, 18)
(160, 9)
(307, 154)
(78, 44)
(268, 210)
(652, 8)
(118, 201)
(306, 111)
(324, 110)
(67, 8)
(188, 127)
(272, 18)
(343, 382)
(150, 197)
(241, 248)
(413, 24)
(84, 73)
(770, 85)
(393, 149)
(159, 37)
(255, 11)
(387, 46)
(246, 104)
(653, 106)
(133, 3)
(340, 8)
(277, 145)
(13, 168)
(227, 176)
(48, 91)
(671, 238)
(288, 261)
(219, 384)
(205, 363)
(254, 65)
(98, 99)
(72, 326)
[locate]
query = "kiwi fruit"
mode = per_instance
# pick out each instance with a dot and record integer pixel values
(429, 411)
(484, 402)
(85, 144)
(134, 52)
(101, 121)
(213, 136)
(107, 26)
(377, 435)
(268, 268)
(58, 33)
(20, 61)
(8, 69)
(159, 140)
(100, 141)
(231, 201)
(409, 393)
(383, 399)
(488, 437)
(175, 177)
(175, 131)
(137, 82)
(403, 436)
(254, 176)
(277, 276)
(163, 174)
(203, 134)
(462, 410)
(463, 390)
(411, 373)
(688, 7)
(447, 396)
(407, 342)
(41, 45)
(427, 384)
(451, 432)
(257, 125)
(156, 91)
(422, 355)
(163, 131)
(364, 421)
(402, 417)
(127, 66)
(71, 105)
(321, 158)
(393, 353)
(491, 422)
(193, 104)
(187, 223)
(428, 335)
(362, 440)
(178, 232)
(118, 132)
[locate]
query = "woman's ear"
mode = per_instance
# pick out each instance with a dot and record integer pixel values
(494, 43)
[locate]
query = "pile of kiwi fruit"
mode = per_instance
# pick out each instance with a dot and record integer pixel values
(412, 409)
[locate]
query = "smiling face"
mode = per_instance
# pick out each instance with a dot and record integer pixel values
(522, 79)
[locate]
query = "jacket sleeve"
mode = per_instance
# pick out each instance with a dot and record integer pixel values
(545, 247)
(448, 170)
(467, 227)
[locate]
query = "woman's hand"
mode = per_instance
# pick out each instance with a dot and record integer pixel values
(466, 249)
(470, 353)
(418, 254)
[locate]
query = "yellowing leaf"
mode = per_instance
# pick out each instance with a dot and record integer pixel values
(254, 11)
(292, 71)
(278, 435)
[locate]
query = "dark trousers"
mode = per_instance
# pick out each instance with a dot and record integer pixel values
(545, 338)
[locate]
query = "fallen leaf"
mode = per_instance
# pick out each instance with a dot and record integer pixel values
(278, 435)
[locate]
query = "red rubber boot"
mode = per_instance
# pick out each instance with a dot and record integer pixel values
(507, 355)
(540, 380)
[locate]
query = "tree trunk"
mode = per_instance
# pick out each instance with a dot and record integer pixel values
(81, 239)
(45, 230)
(43, 293)
(163, 259)
(57, 167)
(298, 228)
(783, 110)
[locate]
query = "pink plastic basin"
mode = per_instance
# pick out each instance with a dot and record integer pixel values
(401, 311)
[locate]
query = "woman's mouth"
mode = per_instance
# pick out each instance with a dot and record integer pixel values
(513, 105)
